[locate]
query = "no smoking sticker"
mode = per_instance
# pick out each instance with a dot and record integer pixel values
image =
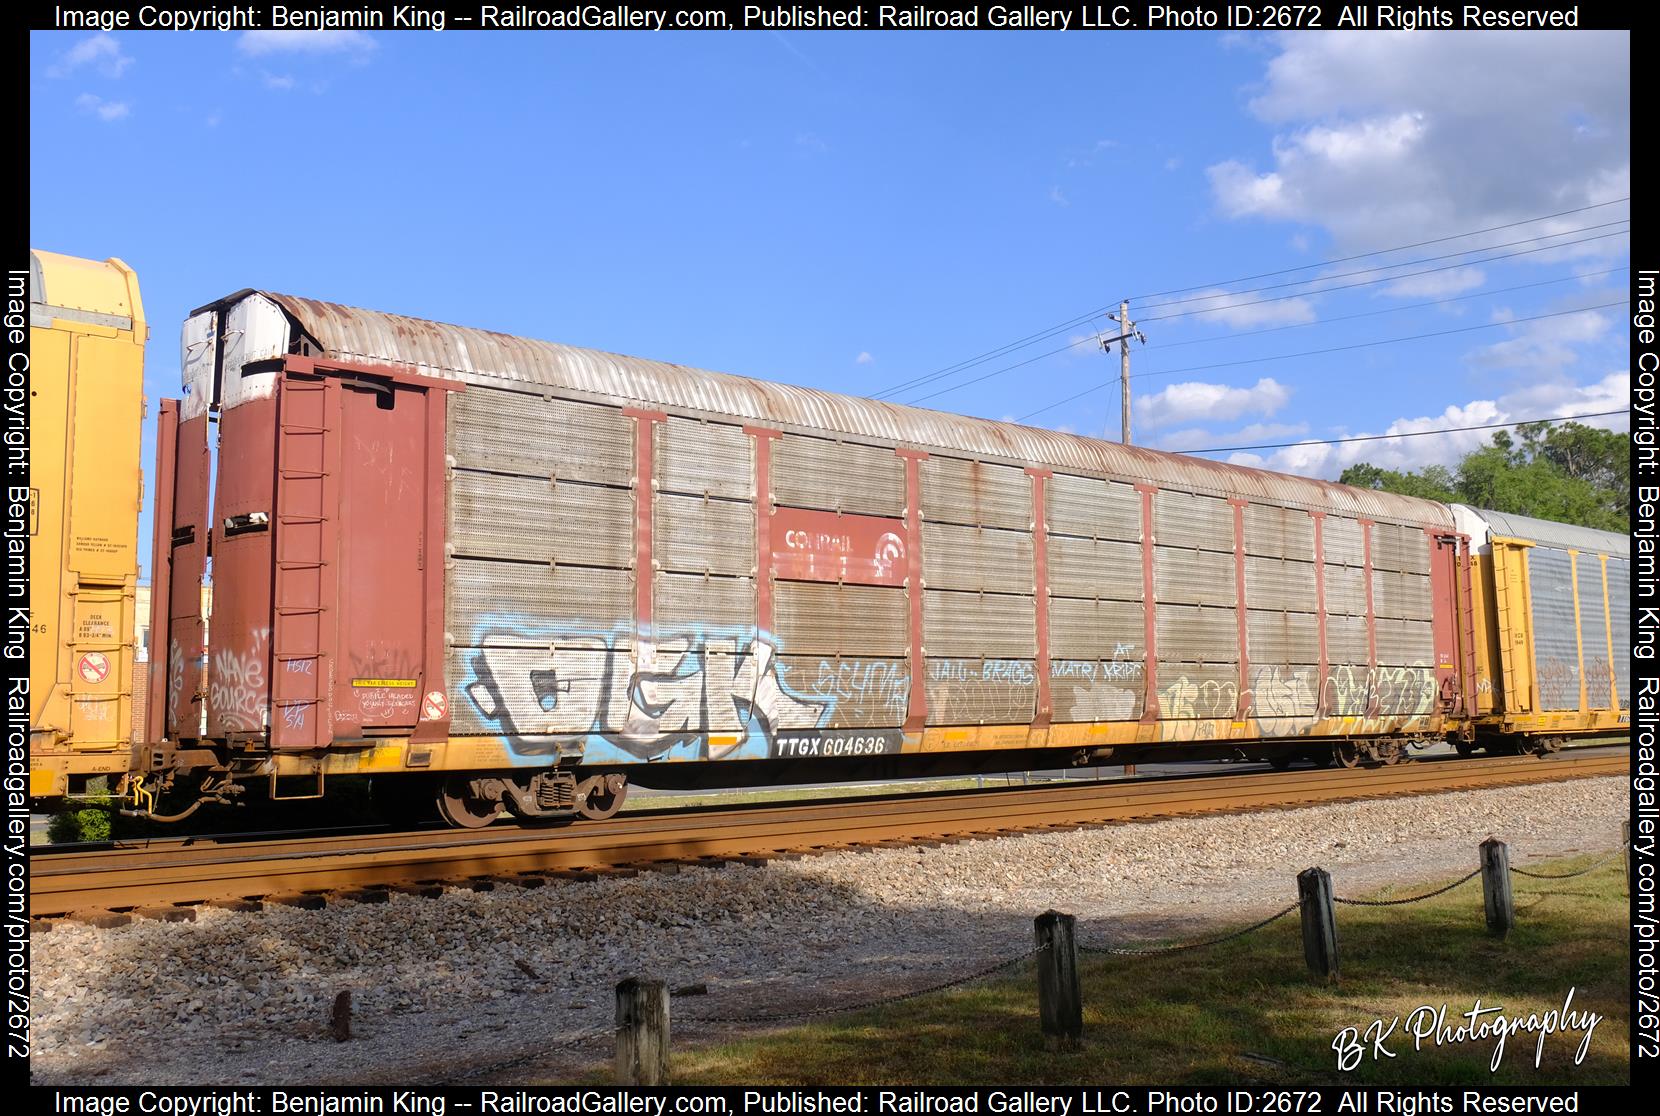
(94, 667)
(435, 706)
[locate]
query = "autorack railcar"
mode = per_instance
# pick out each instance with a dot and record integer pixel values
(514, 575)
(86, 385)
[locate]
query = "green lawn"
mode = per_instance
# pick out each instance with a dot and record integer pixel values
(1248, 1011)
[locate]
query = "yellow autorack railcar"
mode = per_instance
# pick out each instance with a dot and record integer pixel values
(86, 338)
(1553, 652)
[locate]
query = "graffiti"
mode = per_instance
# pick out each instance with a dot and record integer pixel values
(1404, 691)
(1558, 684)
(236, 685)
(981, 691)
(175, 684)
(1018, 672)
(1208, 697)
(1098, 689)
(1599, 682)
(583, 695)
(385, 685)
(1283, 700)
(859, 692)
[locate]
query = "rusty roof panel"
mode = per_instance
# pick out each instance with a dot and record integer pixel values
(483, 357)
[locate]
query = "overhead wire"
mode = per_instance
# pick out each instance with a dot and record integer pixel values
(1409, 433)
(1378, 251)
(922, 381)
(1318, 352)
(1080, 319)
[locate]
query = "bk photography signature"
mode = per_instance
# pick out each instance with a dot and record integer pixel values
(1433, 1026)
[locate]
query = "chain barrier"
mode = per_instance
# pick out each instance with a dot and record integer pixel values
(578, 1039)
(585, 1036)
(1589, 868)
(1410, 899)
(840, 1009)
(1153, 951)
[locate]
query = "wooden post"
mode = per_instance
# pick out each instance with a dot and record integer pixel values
(1060, 1000)
(340, 1019)
(642, 1032)
(1319, 923)
(1495, 886)
(1625, 830)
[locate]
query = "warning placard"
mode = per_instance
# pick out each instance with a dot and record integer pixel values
(94, 667)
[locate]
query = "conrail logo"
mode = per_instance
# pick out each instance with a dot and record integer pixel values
(833, 546)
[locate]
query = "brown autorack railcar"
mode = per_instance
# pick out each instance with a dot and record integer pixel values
(512, 574)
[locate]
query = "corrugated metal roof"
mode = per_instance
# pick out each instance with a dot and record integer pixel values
(1546, 532)
(486, 358)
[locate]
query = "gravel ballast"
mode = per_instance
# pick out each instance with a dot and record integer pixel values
(492, 983)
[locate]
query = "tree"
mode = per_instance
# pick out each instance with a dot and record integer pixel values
(1569, 473)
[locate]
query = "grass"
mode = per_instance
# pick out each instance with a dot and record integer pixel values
(1248, 1011)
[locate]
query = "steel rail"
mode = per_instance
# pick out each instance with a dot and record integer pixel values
(142, 878)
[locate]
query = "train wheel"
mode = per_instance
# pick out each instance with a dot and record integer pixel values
(1280, 762)
(1464, 748)
(1345, 754)
(600, 796)
(461, 808)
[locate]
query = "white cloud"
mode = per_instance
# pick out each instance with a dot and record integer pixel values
(1197, 438)
(258, 43)
(1057, 197)
(106, 111)
(1548, 345)
(282, 83)
(1180, 404)
(1243, 311)
(1388, 138)
(102, 50)
(864, 358)
(811, 143)
(1558, 397)
(1437, 284)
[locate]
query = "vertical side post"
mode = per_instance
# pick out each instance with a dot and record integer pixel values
(1060, 999)
(642, 1032)
(1319, 923)
(1495, 886)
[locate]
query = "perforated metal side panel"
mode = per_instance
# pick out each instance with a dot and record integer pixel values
(976, 493)
(1593, 627)
(1619, 613)
(1555, 641)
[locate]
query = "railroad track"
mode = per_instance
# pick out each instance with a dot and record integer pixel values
(165, 882)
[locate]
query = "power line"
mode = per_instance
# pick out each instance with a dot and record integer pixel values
(1080, 319)
(1386, 267)
(1218, 309)
(1383, 341)
(973, 362)
(1318, 352)
(1409, 433)
(1391, 309)
(1378, 252)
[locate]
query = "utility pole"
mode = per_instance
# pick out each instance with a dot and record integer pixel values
(1126, 330)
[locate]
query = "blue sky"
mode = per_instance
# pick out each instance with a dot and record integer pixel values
(853, 211)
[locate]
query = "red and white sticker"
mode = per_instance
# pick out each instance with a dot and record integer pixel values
(435, 706)
(94, 667)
